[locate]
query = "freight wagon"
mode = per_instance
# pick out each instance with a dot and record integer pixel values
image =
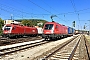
(71, 31)
(40, 31)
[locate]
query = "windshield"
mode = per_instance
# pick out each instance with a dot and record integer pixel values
(7, 28)
(48, 26)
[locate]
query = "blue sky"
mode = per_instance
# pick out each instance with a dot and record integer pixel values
(66, 11)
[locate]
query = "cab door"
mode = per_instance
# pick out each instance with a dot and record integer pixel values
(56, 29)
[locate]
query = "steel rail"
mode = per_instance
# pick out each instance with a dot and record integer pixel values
(87, 48)
(22, 47)
(73, 52)
(45, 58)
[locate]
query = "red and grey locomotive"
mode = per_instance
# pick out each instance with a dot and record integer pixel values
(17, 30)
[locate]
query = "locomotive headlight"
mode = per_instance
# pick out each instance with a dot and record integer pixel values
(47, 32)
(8, 31)
(5, 32)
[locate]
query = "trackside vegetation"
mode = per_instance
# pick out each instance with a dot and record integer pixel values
(88, 38)
(1, 25)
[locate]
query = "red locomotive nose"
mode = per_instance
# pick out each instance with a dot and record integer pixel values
(47, 32)
(7, 29)
(5, 32)
(48, 29)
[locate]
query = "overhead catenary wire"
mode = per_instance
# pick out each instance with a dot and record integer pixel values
(28, 13)
(14, 9)
(50, 6)
(32, 13)
(39, 6)
(17, 15)
(44, 9)
(53, 9)
(10, 10)
(74, 7)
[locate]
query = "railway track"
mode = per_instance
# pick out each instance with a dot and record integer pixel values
(5, 41)
(73, 50)
(19, 47)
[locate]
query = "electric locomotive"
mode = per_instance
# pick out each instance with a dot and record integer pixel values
(53, 30)
(17, 30)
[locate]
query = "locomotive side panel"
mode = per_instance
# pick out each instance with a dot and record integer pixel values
(27, 30)
(17, 30)
(65, 30)
(58, 29)
(30, 31)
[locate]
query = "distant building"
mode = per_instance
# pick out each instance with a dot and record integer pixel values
(40, 23)
(10, 21)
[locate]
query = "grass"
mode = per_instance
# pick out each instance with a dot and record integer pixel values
(88, 38)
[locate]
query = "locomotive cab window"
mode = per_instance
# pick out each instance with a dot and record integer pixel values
(7, 28)
(48, 26)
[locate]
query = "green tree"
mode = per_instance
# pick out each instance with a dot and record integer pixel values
(1, 25)
(25, 22)
(32, 22)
